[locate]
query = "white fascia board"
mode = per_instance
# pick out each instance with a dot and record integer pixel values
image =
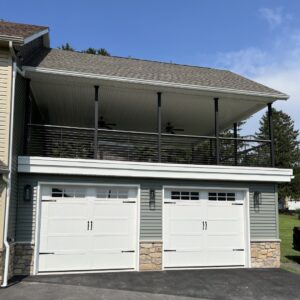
(157, 83)
(35, 36)
(89, 167)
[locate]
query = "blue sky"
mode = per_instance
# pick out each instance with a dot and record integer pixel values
(259, 39)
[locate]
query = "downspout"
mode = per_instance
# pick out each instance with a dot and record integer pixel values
(8, 185)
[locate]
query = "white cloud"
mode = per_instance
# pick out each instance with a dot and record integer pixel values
(274, 17)
(277, 67)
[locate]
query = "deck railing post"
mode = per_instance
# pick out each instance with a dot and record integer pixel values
(217, 133)
(159, 126)
(96, 122)
(235, 144)
(271, 134)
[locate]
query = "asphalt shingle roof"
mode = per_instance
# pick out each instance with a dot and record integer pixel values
(144, 70)
(19, 30)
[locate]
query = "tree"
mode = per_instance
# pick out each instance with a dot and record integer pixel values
(286, 143)
(100, 51)
(66, 47)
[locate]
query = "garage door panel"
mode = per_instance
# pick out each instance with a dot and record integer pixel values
(63, 262)
(205, 232)
(225, 258)
(185, 242)
(111, 261)
(184, 259)
(66, 242)
(88, 233)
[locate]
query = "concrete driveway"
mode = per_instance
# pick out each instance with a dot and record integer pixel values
(201, 284)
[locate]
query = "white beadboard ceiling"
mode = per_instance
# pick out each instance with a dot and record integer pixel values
(70, 102)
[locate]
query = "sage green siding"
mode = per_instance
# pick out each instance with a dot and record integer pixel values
(262, 220)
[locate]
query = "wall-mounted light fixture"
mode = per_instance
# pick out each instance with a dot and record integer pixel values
(27, 196)
(152, 199)
(257, 199)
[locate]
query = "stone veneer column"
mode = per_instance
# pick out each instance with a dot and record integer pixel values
(265, 254)
(150, 256)
(23, 259)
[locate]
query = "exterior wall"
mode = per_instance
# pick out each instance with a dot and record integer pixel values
(5, 101)
(263, 219)
(265, 254)
(18, 142)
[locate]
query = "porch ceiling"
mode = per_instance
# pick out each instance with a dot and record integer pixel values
(67, 101)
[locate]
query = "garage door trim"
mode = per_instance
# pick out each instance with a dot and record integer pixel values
(246, 214)
(37, 227)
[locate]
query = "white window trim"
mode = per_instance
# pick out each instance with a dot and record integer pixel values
(67, 166)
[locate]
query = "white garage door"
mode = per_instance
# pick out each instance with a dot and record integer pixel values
(87, 228)
(203, 228)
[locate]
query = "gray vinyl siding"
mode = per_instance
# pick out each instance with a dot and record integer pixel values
(19, 111)
(263, 220)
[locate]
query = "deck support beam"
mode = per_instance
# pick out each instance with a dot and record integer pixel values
(271, 134)
(159, 126)
(96, 121)
(217, 131)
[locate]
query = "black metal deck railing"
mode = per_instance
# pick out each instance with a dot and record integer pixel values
(75, 142)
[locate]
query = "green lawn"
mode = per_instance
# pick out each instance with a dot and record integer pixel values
(286, 225)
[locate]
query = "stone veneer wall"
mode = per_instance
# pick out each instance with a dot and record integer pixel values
(23, 259)
(265, 254)
(150, 256)
(11, 262)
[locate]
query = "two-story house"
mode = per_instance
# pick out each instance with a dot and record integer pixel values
(114, 163)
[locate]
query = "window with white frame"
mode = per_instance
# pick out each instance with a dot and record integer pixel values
(111, 193)
(68, 192)
(185, 195)
(221, 196)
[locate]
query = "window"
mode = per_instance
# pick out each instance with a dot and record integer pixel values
(184, 195)
(68, 192)
(112, 193)
(214, 196)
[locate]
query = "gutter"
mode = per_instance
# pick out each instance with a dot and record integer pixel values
(8, 180)
(275, 96)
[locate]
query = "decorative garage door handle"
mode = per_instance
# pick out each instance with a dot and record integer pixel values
(88, 225)
(204, 225)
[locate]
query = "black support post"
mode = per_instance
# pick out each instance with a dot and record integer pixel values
(96, 122)
(235, 144)
(217, 133)
(27, 119)
(159, 126)
(271, 134)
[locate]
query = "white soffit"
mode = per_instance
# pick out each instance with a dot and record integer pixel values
(62, 166)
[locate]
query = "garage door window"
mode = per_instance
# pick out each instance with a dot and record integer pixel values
(105, 194)
(184, 195)
(221, 196)
(68, 193)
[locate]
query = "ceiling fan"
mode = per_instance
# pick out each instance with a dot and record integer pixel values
(170, 128)
(103, 124)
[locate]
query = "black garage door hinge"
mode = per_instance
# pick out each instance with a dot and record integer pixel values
(49, 200)
(238, 249)
(169, 202)
(46, 253)
(236, 203)
(129, 201)
(169, 250)
(127, 251)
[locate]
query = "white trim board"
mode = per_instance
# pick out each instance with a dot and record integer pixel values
(276, 96)
(90, 167)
